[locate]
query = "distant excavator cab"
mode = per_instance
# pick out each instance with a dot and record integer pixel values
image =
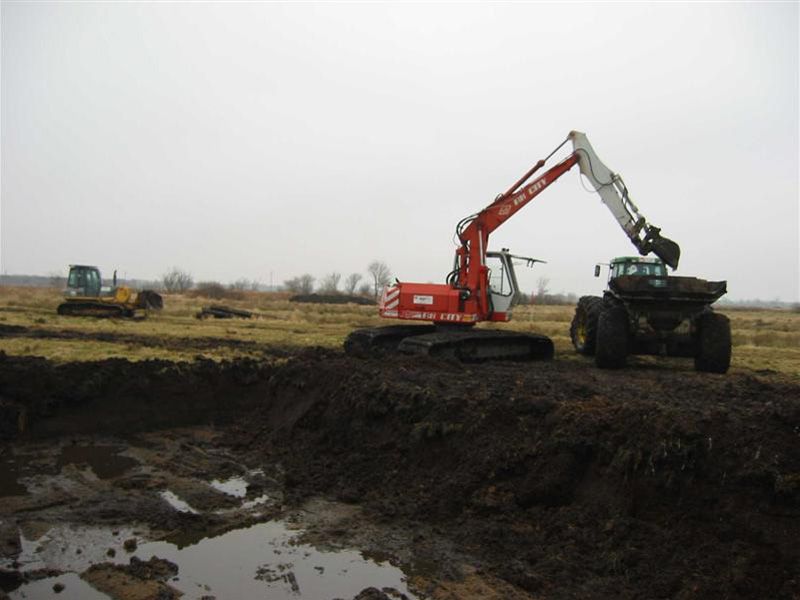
(83, 281)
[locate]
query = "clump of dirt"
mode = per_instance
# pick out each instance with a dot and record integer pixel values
(372, 593)
(139, 580)
(564, 480)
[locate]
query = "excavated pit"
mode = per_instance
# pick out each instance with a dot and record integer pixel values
(551, 480)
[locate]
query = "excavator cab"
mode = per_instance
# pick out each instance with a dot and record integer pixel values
(83, 281)
(504, 291)
(503, 287)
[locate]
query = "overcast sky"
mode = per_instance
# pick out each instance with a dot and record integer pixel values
(269, 140)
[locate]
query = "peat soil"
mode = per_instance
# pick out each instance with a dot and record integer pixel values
(502, 480)
(189, 344)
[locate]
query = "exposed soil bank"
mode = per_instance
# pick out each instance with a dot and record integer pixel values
(191, 344)
(567, 481)
(39, 398)
(557, 478)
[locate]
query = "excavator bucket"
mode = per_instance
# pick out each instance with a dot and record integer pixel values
(666, 250)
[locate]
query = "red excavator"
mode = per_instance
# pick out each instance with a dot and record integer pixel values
(483, 285)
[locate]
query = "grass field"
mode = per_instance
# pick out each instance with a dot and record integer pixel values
(763, 339)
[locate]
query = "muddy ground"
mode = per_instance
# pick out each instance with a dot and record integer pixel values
(544, 480)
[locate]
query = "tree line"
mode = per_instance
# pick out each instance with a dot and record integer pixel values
(177, 280)
(378, 272)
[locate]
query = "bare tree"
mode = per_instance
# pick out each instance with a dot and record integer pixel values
(300, 285)
(306, 284)
(381, 275)
(365, 289)
(351, 283)
(176, 280)
(240, 285)
(542, 286)
(215, 290)
(330, 284)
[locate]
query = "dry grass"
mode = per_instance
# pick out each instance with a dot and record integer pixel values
(763, 339)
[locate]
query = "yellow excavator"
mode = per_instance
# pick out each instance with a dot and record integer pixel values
(85, 296)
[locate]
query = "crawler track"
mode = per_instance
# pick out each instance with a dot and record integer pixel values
(467, 345)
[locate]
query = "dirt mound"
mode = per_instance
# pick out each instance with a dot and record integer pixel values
(140, 580)
(567, 481)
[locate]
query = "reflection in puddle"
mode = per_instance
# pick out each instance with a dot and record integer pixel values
(74, 589)
(105, 461)
(176, 503)
(235, 486)
(255, 502)
(262, 561)
(71, 548)
(265, 561)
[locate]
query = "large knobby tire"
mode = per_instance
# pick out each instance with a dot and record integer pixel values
(713, 343)
(583, 330)
(611, 351)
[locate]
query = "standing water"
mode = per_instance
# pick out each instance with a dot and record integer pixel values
(262, 561)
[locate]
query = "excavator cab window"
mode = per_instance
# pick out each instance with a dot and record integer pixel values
(503, 287)
(93, 282)
(499, 280)
(74, 280)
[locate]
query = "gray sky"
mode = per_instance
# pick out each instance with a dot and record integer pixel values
(239, 140)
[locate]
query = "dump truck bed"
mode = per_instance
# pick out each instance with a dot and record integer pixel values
(683, 292)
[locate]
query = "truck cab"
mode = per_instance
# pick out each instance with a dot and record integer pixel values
(637, 266)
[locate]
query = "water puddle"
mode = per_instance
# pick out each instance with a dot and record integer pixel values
(74, 588)
(105, 461)
(72, 548)
(265, 561)
(235, 486)
(175, 502)
(255, 502)
(18, 472)
(262, 561)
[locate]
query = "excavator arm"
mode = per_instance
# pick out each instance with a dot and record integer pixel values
(646, 237)
(473, 232)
